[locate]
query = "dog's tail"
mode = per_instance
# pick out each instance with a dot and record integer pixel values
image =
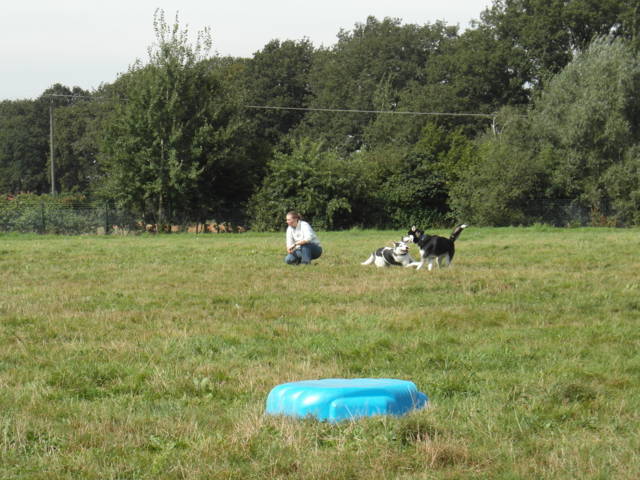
(457, 231)
(369, 260)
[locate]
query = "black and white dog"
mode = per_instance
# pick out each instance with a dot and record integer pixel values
(397, 256)
(433, 247)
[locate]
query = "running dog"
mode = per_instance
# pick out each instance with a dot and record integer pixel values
(433, 249)
(396, 256)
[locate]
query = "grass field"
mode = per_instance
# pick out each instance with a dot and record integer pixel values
(152, 356)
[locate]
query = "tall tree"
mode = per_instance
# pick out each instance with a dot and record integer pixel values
(544, 34)
(472, 73)
(78, 117)
(24, 147)
(579, 142)
(366, 70)
(278, 76)
(174, 131)
(589, 115)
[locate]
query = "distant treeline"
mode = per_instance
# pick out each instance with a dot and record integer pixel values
(186, 135)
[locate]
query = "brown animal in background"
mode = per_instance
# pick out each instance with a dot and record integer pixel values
(118, 230)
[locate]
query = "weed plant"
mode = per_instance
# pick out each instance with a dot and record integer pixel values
(152, 356)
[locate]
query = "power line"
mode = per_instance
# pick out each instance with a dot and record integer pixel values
(492, 116)
(92, 97)
(394, 112)
(334, 110)
(72, 95)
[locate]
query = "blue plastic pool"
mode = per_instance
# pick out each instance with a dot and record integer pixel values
(335, 399)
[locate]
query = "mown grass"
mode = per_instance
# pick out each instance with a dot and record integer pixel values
(152, 356)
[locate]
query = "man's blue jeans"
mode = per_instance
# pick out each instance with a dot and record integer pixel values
(304, 254)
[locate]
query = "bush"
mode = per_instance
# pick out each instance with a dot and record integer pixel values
(623, 181)
(498, 187)
(324, 187)
(414, 188)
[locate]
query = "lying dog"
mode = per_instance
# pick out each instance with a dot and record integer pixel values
(433, 247)
(397, 256)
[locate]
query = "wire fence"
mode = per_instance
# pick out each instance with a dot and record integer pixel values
(48, 218)
(97, 219)
(570, 213)
(101, 219)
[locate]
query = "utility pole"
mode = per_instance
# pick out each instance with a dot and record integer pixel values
(53, 170)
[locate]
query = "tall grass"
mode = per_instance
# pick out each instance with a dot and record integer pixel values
(152, 356)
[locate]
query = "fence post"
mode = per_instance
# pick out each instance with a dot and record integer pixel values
(106, 218)
(42, 216)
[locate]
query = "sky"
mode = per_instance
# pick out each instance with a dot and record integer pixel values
(87, 43)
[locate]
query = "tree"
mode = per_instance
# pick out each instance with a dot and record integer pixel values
(577, 143)
(475, 72)
(78, 120)
(366, 70)
(543, 35)
(278, 76)
(471, 73)
(25, 158)
(174, 136)
(589, 115)
(24, 147)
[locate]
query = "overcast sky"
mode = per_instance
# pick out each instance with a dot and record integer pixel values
(88, 42)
